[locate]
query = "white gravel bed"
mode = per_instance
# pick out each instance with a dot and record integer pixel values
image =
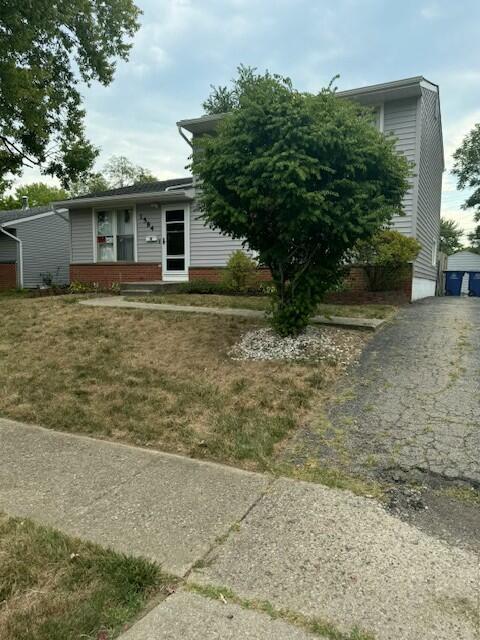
(336, 345)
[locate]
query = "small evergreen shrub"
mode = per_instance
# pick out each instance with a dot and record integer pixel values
(239, 275)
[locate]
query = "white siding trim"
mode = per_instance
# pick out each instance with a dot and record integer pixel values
(422, 288)
(381, 117)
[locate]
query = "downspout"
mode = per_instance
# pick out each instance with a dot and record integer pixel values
(184, 137)
(66, 219)
(20, 254)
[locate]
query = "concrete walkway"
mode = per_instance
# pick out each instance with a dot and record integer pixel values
(317, 552)
(371, 324)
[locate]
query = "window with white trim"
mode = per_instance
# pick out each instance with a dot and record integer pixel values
(115, 235)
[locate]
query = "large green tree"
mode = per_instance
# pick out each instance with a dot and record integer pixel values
(450, 236)
(46, 49)
(38, 194)
(300, 178)
(467, 170)
(121, 172)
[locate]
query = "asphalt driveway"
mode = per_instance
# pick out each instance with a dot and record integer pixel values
(409, 411)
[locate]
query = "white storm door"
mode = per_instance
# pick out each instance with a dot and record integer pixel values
(175, 243)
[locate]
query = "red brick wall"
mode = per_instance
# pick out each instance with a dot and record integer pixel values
(214, 274)
(109, 273)
(357, 290)
(8, 276)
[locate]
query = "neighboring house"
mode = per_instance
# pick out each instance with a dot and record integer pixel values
(34, 245)
(464, 261)
(154, 232)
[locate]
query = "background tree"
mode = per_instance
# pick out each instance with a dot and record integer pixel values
(46, 49)
(300, 178)
(90, 183)
(474, 239)
(38, 194)
(467, 171)
(450, 236)
(120, 172)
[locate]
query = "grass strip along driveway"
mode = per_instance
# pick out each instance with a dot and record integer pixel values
(53, 587)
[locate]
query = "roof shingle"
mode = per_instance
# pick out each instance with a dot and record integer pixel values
(18, 214)
(149, 187)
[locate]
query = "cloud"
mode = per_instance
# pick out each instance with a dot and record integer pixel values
(430, 11)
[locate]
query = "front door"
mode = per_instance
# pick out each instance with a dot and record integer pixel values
(175, 243)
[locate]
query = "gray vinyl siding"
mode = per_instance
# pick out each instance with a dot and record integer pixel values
(208, 248)
(149, 251)
(427, 228)
(8, 247)
(400, 120)
(46, 249)
(81, 234)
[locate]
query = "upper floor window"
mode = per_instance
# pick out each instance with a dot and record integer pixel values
(115, 235)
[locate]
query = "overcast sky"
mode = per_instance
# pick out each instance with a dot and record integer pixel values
(183, 46)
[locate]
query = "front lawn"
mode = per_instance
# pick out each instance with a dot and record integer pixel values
(261, 303)
(161, 380)
(53, 587)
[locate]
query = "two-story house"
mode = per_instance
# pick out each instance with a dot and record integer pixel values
(154, 232)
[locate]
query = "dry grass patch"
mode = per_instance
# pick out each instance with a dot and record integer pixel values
(160, 380)
(261, 303)
(53, 587)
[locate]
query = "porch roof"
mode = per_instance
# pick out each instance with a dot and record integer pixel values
(159, 191)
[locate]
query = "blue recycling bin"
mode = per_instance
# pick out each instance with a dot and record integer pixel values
(474, 283)
(453, 283)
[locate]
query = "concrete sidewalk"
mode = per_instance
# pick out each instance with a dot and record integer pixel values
(167, 508)
(316, 552)
(371, 324)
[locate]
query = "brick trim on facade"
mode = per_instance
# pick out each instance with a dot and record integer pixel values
(357, 290)
(115, 272)
(356, 283)
(8, 276)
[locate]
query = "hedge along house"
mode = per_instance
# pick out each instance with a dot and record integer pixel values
(154, 232)
(34, 247)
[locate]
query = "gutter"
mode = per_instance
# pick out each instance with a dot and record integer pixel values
(146, 197)
(179, 186)
(58, 212)
(20, 254)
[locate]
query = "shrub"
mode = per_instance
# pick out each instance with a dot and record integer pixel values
(92, 287)
(386, 256)
(82, 287)
(239, 275)
(200, 286)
